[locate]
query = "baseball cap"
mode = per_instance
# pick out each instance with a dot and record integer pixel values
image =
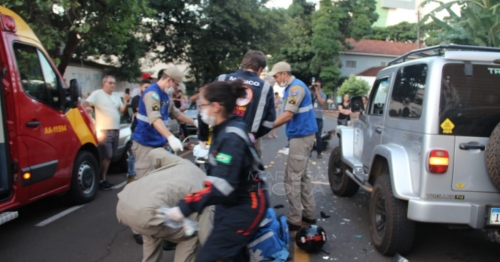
(176, 74)
(146, 76)
(280, 67)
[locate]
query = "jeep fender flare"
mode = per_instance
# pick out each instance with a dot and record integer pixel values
(399, 168)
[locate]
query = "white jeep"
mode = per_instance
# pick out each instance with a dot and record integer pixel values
(427, 147)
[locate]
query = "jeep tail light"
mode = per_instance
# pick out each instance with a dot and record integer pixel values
(438, 161)
(8, 23)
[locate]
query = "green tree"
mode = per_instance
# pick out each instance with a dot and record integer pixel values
(81, 28)
(326, 46)
(225, 33)
(477, 24)
(354, 87)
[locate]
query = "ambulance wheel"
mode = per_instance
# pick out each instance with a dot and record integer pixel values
(85, 178)
(493, 156)
(340, 183)
(391, 230)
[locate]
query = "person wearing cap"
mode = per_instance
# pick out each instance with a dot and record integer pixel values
(146, 76)
(171, 180)
(257, 108)
(155, 107)
(298, 115)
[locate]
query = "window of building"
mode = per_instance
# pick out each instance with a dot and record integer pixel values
(38, 78)
(350, 64)
(408, 92)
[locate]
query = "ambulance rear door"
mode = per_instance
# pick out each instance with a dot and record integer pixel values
(5, 178)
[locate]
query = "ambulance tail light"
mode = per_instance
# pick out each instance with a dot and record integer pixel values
(438, 161)
(8, 23)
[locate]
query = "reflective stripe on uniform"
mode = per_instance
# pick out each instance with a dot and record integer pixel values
(221, 184)
(221, 78)
(305, 108)
(256, 159)
(145, 119)
(268, 124)
(259, 114)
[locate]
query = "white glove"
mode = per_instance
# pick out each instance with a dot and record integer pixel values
(196, 123)
(174, 214)
(203, 145)
(175, 143)
(199, 152)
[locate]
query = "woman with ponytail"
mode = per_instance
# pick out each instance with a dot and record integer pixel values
(233, 183)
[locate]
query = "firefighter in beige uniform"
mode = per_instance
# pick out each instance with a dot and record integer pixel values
(172, 179)
(155, 107)
(301, 127)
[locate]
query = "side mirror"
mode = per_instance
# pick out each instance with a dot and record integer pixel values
(75, 92)
(357, 104)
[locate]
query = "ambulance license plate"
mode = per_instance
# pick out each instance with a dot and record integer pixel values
(494, 216)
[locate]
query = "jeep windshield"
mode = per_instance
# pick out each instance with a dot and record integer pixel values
(470, 102)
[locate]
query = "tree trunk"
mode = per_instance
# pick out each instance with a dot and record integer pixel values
(69, 50)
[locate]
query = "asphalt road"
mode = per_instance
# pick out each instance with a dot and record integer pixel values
(92, 233)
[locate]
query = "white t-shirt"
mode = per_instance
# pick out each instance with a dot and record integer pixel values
(107, 109)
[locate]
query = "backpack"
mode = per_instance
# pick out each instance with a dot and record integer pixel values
(270, 243)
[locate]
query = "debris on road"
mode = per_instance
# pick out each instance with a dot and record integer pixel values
(323, 215)
(279, 206)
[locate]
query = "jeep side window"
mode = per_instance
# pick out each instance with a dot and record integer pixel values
(38, 79)
(378, 97)
(408, 92)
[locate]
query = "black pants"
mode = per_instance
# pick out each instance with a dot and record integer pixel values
(319, 141)
(184, 129)
(234, 228)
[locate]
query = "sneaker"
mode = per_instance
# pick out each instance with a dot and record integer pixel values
(319, 155)
(130, 179)
(105, 185)
(138, 239)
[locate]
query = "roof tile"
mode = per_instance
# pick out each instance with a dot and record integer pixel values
(379, 47)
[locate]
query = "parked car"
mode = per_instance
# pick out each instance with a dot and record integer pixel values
(427, 147)
(192, 113)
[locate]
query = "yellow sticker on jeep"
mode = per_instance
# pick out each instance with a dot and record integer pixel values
(447, 126)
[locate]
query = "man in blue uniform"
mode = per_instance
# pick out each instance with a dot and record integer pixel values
(257, 108)
(155, 107)
(298, 115)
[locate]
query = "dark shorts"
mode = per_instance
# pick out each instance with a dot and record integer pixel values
(108, 142)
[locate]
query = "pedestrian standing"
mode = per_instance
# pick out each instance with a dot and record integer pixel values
(257, 107)
(108, 109)
(301, 126)
(318, 100)
(233, 183)
(344, 111)
(155, 107)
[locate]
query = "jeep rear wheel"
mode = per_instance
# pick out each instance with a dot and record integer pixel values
(85, 178)
(340, 183)
(391, 230)
(493, 156)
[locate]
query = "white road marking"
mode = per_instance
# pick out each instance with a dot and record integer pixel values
(56, 217)
(122, 184)
(320, 183)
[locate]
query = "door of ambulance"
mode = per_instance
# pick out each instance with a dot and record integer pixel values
(44, 128)
(5, 179)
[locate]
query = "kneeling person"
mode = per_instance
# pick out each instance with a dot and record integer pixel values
(172, 179)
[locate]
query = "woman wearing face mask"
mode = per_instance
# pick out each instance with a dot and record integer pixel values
(233, 183)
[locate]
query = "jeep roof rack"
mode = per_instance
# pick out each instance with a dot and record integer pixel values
(427, 52)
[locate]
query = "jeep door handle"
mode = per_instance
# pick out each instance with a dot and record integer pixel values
(470, 146)
(33, 124)
(378, 130)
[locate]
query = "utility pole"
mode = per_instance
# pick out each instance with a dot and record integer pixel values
(418, 27)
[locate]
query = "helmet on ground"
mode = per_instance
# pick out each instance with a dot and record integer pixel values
(310, 238)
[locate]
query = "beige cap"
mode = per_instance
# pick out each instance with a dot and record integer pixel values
(280, 67)
(176, 74)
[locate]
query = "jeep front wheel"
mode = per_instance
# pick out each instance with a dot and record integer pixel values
(391, 230)
(340, 183)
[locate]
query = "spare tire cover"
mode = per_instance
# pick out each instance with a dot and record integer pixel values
(493, 156)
